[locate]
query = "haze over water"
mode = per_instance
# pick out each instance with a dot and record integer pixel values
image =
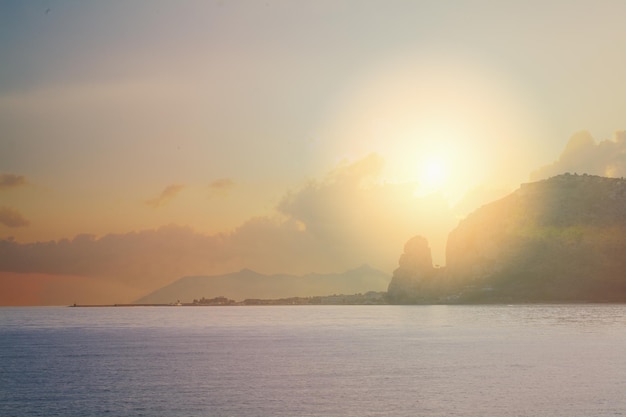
(524, 360)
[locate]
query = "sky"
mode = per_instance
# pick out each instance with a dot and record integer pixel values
(285, 136)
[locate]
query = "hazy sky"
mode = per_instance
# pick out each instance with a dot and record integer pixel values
(126, 116)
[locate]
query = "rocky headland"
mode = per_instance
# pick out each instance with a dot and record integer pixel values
(558, 240)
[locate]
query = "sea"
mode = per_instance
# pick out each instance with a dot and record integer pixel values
(491, 360)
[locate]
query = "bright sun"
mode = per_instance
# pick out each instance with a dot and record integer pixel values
(433, 173)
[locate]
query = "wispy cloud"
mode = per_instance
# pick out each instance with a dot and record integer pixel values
(166, 195)
(11, 181)
(12, 218)
(221, 186)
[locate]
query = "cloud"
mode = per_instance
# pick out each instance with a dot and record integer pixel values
(353, 217)
(166, 195)
(142, 259)
(12, 218)
(11, 181)
(221, 186)
(583, 155)
(343, 220)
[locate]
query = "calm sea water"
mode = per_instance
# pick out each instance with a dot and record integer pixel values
(536, 360)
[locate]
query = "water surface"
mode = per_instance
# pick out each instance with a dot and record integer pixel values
(528, 360)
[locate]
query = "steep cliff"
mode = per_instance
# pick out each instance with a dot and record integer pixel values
(557, 240)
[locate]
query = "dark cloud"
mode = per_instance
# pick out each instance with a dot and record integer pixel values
(166, 195)
(583, 155)
(221, 186)
(11, 181)
(12, 218)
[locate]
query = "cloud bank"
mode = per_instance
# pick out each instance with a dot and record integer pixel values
(345, 219)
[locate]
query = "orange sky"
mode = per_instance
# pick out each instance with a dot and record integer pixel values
(347, 126)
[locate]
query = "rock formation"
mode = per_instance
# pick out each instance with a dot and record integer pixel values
(413, 280)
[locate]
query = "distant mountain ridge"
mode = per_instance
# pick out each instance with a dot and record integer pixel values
(558, 240)
(246, 284)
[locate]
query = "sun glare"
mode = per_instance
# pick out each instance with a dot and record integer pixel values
(434, 172)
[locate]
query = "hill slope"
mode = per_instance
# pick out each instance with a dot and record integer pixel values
(249, 284)
(561, 239)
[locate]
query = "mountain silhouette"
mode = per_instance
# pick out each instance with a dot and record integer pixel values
(247, 283)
